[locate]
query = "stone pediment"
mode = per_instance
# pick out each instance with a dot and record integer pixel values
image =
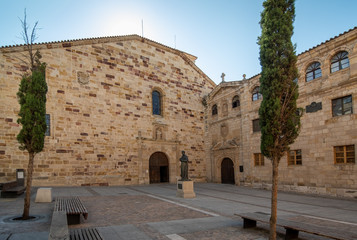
(218, 89)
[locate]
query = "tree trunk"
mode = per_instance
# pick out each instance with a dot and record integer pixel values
(274, 199)
(27, 201)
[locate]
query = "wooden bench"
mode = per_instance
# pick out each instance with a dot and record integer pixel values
(73, 207)
(85, 234)
(11, 189)
(293, 228)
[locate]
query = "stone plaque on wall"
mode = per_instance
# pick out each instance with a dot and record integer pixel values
(313, 107)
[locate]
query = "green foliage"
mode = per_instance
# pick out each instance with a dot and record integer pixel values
(279, 118)
(32, 115)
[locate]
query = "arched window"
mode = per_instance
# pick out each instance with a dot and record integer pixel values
(235, 101)
(339, 61)
(256, 94)
(156, 103)
(313, 71)
(214, 109)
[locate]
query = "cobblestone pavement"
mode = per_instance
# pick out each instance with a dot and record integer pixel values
(154, 212)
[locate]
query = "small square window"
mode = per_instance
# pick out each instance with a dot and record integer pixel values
(258, 159)
(294, 157)
(344, 154)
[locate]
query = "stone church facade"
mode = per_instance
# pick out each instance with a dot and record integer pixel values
(323, 158)
(121, 109)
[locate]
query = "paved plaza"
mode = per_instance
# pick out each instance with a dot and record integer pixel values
(150, 212)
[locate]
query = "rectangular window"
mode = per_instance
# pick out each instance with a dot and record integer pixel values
(256, 126)
(309, 76)
(48, 125)
(335, 67)
(344, 154)
(342, 106)
(294, 157)
(258, 159)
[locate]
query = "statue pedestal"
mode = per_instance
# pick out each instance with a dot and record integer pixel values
(185, 189)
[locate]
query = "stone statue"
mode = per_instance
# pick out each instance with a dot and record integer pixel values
(184, 167)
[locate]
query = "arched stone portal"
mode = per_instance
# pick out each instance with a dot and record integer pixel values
(158, 168)
(227, 171)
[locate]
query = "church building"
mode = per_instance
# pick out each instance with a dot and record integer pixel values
(322, 160)
(121, 109)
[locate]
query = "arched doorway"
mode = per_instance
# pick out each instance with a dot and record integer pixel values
(158, 168)
(227, 171)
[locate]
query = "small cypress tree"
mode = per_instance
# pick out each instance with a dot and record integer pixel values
(32, 115)
(278, 114)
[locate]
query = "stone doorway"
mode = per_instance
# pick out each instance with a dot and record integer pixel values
(158, 168)
(227, 171)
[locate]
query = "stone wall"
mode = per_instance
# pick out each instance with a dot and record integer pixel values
(320, 131)
(102, 129)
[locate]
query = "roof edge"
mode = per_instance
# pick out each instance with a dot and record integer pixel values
(329, 40)
(188, 58)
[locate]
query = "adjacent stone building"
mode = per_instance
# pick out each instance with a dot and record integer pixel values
(119, 111)
(323, 158)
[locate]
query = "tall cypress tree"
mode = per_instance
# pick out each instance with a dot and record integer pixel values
(32, 115)
(278, 114)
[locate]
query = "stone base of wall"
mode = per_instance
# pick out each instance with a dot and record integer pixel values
(326, 191)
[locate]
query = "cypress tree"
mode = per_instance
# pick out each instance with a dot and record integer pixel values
(278, 114)
(32, 114)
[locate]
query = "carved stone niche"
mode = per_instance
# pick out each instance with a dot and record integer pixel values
(313, 107)
(159, 132)
(225, 109)
(83, 78)
(224, 130)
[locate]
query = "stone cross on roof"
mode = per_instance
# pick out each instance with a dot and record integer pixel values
(222, 76)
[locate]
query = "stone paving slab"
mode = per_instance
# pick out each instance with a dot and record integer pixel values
(123, 232)
(30, 236)
(193, 225)
(4, 236)
(230, 233)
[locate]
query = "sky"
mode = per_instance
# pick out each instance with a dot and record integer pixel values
(221, 33)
